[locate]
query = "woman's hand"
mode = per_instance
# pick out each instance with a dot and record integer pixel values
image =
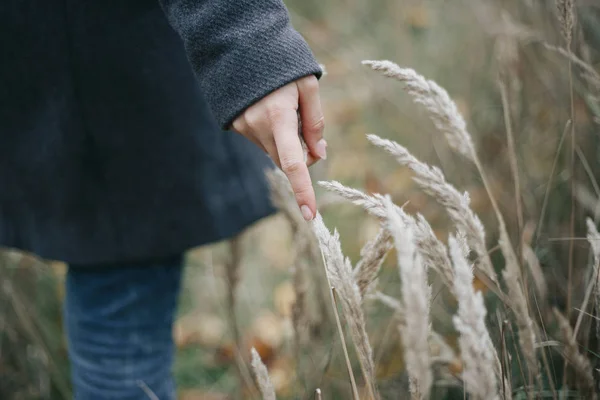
(272, 124)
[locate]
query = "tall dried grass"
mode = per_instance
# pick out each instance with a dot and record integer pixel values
(447, 119)
(416, 299)
(262, 377)
(496, 361)
(341, 279)
(486, 373)
(476, 348)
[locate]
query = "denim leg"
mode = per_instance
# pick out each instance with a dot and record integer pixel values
(119, 329)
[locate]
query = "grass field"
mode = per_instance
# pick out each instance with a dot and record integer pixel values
(525, 78)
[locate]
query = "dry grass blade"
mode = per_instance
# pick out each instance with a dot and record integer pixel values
(432, 249)
(433, 182)
(416, 297)
(372, 256)
(512, 152)
(518, 304)
(590, 73)
(584, 378)
(477, 351)
(262, 377)
(300, 319)
(441, 352)
(390, 302)
(447, 119)
(444, 112)
(338, 322)
(232, 270)
(593, 238)
(549, 185)
(566, 18)
(339, 272)
(536, 271)
(372, 204)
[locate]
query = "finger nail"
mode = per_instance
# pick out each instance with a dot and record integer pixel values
(306, 213)
(321, 149)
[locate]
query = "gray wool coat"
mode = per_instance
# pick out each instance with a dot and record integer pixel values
(112, 113)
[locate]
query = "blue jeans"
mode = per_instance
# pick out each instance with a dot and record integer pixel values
(118, 320)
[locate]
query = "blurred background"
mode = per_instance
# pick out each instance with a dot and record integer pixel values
(469, 47)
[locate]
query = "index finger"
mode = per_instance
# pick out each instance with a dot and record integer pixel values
(291, 159)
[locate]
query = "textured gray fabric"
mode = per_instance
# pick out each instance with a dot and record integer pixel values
(241, 50)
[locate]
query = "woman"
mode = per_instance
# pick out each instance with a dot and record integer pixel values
(114, 159)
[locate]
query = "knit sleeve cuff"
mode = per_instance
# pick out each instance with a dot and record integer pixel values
(253, 69)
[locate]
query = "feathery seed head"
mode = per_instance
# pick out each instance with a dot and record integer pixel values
(443, 111)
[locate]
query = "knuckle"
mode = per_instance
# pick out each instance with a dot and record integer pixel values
(317, 125)
(292, 167)
(302, 192)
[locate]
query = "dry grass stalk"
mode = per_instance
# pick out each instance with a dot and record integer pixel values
(447, 119)
(535, 269)
(433, 182)
(512, 152)
(300, 319)
(311, 306)
(566, 18)
(232, 270)
(518, 304)
(584, 377)
(372, 204)
(517, 298)
(436, 100)
(283, 198)
(305, 246)
(416, 297)
(372, 256)
(477, 351)
(262, 377)
(338, 323)
(339, 271)
(525, 324)
(593, 238)
(444, 113)
(590, 74)
(390, 302)
(440, 351)
(432, 249)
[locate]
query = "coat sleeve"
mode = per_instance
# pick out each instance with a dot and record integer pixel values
(241, 50)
